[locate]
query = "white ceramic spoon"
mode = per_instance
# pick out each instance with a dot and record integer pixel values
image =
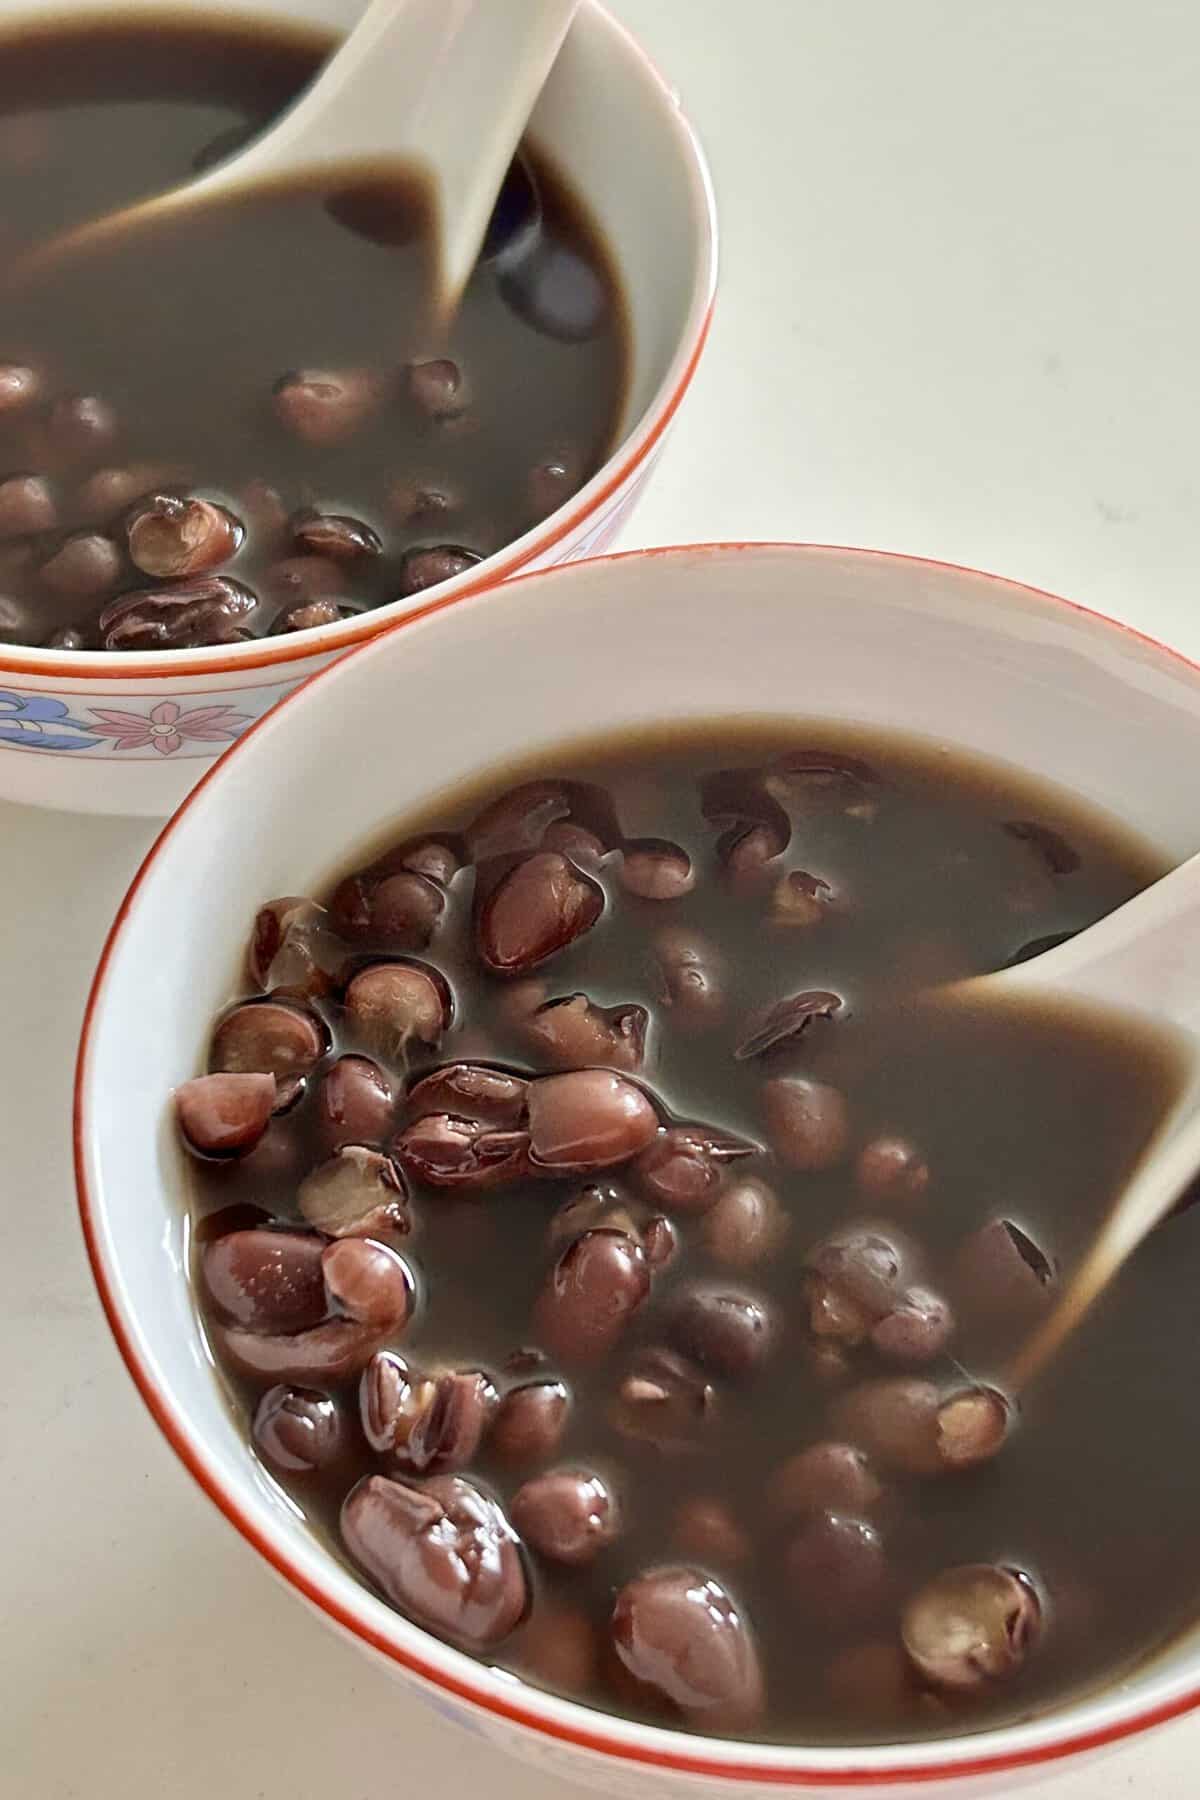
(1143, 959)
(444, 86)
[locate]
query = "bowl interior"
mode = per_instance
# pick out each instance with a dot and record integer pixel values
(610, 124)
(959, 657)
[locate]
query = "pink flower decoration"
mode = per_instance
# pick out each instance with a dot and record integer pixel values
(168, 727)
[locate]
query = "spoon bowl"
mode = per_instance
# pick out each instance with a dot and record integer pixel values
(443, 89)
(1141, 962)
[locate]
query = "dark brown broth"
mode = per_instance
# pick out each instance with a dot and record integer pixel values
(184, 325)
(1038, 1116)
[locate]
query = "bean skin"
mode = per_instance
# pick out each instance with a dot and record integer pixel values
(353, 1104)
(298, 1429)
(357, 1190)
(972, 1626)
(540, 906)
(680, 1632)
(444, 1553)
(590, 1296)
(269, 1281)
(807, 1122)
(225, 1115)
(568, 1515)
(530, 1422)
(587, 1119)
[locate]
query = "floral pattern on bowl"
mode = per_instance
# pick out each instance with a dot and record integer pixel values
(33, 721)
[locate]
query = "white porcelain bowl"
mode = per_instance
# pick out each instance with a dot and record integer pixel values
(131, 733)
(842, 635)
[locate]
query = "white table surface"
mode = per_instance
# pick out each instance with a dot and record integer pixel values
(959, 314)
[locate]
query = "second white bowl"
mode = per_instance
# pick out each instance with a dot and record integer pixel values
(794, 633)
(132, 733)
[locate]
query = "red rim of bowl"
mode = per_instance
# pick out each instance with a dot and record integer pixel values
(488, 1694)
(629, 455)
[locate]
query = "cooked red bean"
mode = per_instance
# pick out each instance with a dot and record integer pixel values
(596, 1208)
(530, 1422)
(665, 1400)
(972, 1426)
(225, 1115)
(837, 1569)
(542, 904)
(916, 1330)
(745, 1224)
(26, 506)
(573, 1033)
(84, 567)
(20, 388)
(680, 1632)
(653, 869)
(206, 609)
(807, 1121)
(313, 617)
(298, 1429)
(660, 1241)
(289, 945)
(461, 1153)
(394, 1004)
(785, 1022)
(863, 1268)
(170, 536)
(895, 1420)
(729, 1333)
(353, 1104)
(568, 1515)
(269, 1037)
(972, 1626)
(428, 1423)
(421, 569)
(107, 494)
(401, 911)
(369, 1283)
(827, 1477)
(682, 1167)
(444, 1553)
(269, 1281)
(473, 1091)
(325, 407)
(438, 388)
(81, 427)
(590, 1295)
(327, 1353)
(357, 1191)
(890, 1168)
(335, 535)
(587, 1119)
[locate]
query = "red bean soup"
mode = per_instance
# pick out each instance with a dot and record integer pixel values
(615, 1247)
(245, 419)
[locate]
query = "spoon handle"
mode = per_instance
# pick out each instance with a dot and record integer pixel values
(1168, 1165)
(1144, 957)
(446, 86)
